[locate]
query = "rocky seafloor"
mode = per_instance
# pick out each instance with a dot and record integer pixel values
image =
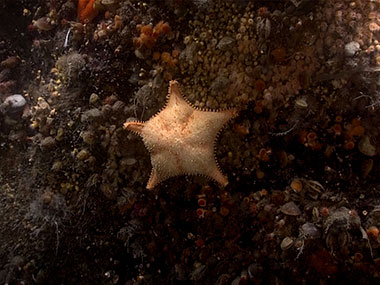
(302, 156)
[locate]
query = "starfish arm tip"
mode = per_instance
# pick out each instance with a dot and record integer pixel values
(153, 180)
(234, 112)
(173, 82)
(174, 88)
(134, 126)
(223, 183)
(221, 179)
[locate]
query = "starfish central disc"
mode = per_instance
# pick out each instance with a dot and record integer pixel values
(181, 139)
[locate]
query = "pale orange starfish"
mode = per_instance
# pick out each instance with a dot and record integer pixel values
(181, 139)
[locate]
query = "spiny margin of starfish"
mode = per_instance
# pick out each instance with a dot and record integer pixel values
(223, 181)
(154, 179)
(172, 84)
(152, 182)
(234, 113)
(175, 84)
(134, 126)
(137, 126)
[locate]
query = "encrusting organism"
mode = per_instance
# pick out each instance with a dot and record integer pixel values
(86, 10)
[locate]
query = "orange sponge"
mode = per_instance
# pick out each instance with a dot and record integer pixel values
(86, 10)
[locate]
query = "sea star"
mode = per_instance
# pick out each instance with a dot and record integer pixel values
(181, 139)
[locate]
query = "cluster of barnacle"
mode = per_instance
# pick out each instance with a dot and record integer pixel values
(366, 260)
(279, 211)
(353, 30)
(225, 212)
(292, 226)
(102, 130)
(263, 207)
(231, 61)
(206, 209)
(251, 156)
(292, 73)
(280, 216)
(329, 231)
(309, 139)
(99, 123)
(219, 64)
(320, 230)
(346, 134)
(245, 155)
(235, 68)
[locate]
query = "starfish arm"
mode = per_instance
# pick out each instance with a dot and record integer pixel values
(216, 120)
(176, 100)
(174, 89)
(210, 123)
(217, 175)
(135, 127)
(154, 179)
